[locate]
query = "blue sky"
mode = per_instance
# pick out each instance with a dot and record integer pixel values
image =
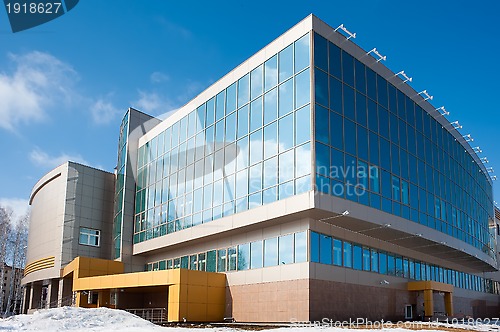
(65, 85)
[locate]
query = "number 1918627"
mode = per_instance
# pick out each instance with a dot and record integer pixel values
(33, 8)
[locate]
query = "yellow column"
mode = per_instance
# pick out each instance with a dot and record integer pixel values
(177, 303)
(81, 299)
(448, 303)
(428, 303)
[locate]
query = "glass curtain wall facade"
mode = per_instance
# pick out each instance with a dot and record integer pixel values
(325, 249)
(248, 145)
(120, 182)
(281, 250)
(375, 146)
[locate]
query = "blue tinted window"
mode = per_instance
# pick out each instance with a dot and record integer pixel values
(325, 249)
(382, 91)
(285, 63)
(395, 159)
(404, 192)
(302, 53)
(303, 184)
(357, 256)
(336, 170)
(244, 257)
(374, 174)
(335, 62)
(219, 108)
(314, 247)
(404, 164)
(301, 247)
(372, 116)
(256, 254)
(271, 73)
(322, 159)
(350, 137)
(361, 116)
(374, 149)
(242, 157)
(322, 133)
(270, 140)
(320, 52)
(409, 107)
(347, 68)
(210, 116)
(255, 180)
(401, 112)
(347, 254)
(269, 195)
(256, 114)
(270, 106)
(362, 143)
(302, 88)
(399, 267)
(348, 105)
(201, 117)
(286, 166)
(385, 156)
(335, 95)
(337, 252)
(360, 76)
(391, 268)
(242, 121)
(270, 172)
(350, 169)
(285, 98)
(231, 128)
(386, 184)
(285, 249)
(374, 260)
(285, 130)
(395, 188)
(271, 252)
(337, 130)
(382, 262)
(302, 125)
(394, 129)
(241, 184)
(243, 90)
(371, 84)
(383, 122)
(231, 98)
(256, 82)
(323, 184)
(393, 108)
(321, 87)
(256, 147)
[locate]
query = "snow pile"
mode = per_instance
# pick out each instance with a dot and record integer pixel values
(103, 319)
(77, 319)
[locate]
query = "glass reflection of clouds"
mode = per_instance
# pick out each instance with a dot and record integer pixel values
(246, 146)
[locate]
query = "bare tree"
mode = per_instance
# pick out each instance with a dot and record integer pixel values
(19, 244)
(5, 226)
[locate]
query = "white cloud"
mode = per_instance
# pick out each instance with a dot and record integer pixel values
(158, 77)
(43, 159)
(174, 29)
(38, 81)
(152, 103)
(18, 206)
(104, 112)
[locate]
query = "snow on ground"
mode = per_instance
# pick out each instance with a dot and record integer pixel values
(77, 319)
(103, 319)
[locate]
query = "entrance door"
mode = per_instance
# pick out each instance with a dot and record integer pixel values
(408, 311)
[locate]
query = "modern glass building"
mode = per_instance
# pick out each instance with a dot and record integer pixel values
(320, 183)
